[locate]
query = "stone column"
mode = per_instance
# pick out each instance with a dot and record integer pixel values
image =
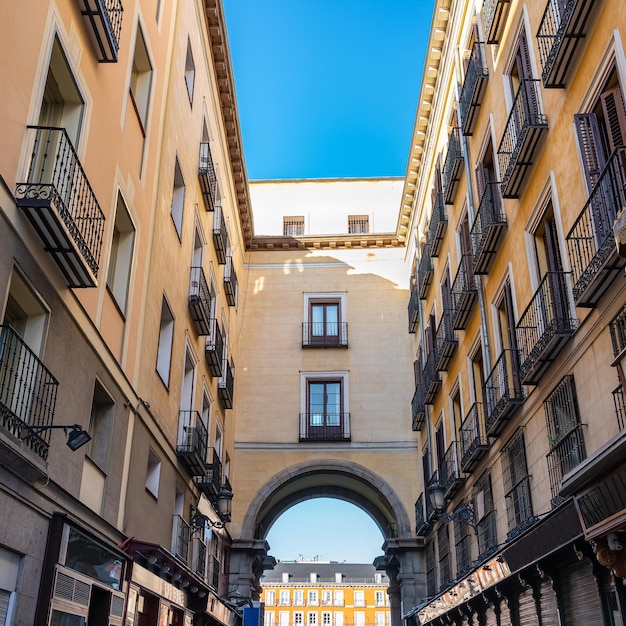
(248, 560)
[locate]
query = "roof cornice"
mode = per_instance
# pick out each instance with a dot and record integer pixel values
(327, 242)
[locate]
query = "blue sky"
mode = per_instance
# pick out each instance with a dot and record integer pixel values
(327, 88)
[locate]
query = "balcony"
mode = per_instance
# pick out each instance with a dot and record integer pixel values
(200, 301)
(494, 17)
(524, 128)
(226, 385)
(590, 242)
(413, 309)
(199, 557)
(214, 349)
(324, 427)
(28, 392)
(431, 380)
(446, 342)
(181, 533)
(562, 28)
(418, 408)
(488, 228)
(103, 19)
(563, 457)
(544, 327)
(325, 335)
(452, 167)
(192, 445)
(230, 282)
(424, 515)
(220, 235)
(473, 89)
(473, 438)
(438, 225)
(450, 472)
(207, 176)
(620, 407)
(425, 272)
(464, 293)
(60, 204)
(210, 482)
(503, 392)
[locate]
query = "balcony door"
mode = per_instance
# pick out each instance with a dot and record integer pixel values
(325, 402)
(325, 323)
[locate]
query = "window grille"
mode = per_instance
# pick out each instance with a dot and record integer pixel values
(358, 224)
(516, 484)
(293, 226)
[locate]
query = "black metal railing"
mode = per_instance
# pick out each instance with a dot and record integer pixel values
(200, 301)
(617, 328)
(181, 536)
(413, 309)
(430, 379)
(104, 22)
(192, 444)
(230, 281)
(207, 175)
(473, 440)
(488, 227)
(503, 391)
(418, 408)
(438, 225)
(226, 385)
(450, 470)
(476, 76)
(494, 17)
(464, 292)
(28, 392)
(325, 335)
(518, 143)
(60, 203)
(199, 557)
(561, 29)
(543, 326)
(486, 533)
(324, 427)
(220, 235)
(425, 271)
(564, 456)
(452, 166)
(214, 572)
(214, 348)
(619, 401)
(210, 482)
(446, 341)
(590, 242)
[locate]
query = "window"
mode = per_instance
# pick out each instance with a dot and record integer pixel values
(379, 619)
(283, 618)
(379, 597)
(190, 72)
(10, 567)
(270, 597)
(516, 483)
(178, 199)
(100, 426)
(462, 546)
(338, 595)
(166, 336)
(327, 597)
(293, 226)
(359, 618)
(443, 548)
(358, 224)
(312, 619)
(324, 411)
(268, 619)
(298, 597)
(565, 435)
(485, 515)
(312, 597)
(431, 571)
(324, 324)
(359, 597)
(121, 257)
(327, 618)
(284, 597)
(153, 473)
(141, 80)
(298, 618)
(338, 618)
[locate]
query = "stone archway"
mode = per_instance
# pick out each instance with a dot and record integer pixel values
(402, 559)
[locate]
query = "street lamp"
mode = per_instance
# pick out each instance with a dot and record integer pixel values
(76, 435)
(224, 506)
(464, 514)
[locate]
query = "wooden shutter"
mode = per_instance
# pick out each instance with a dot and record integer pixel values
(614, 116)
(590, 143)
(482, 179)
(581, 599)
(525, 73)
(417, 371)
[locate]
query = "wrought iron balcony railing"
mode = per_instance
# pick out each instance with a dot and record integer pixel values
(450, 471)
(494, 16)
(430, 380)
(425, 272)
(325, 335)
(446, 341)
(104, 23)
(214, 572)
(199, 557)
(473, 89)
(28, 391)
(486, 533)
(452, 166)
(192, 445)
(418, 408)
(473, 438)
(60, 204)
(617, 327)
(230, 281)
(438, 225)
(324, 427)
(413, 309)
(563, 457)
(200, 301)
(544, 327)
(503, 392)
(422, 521)
(181, 535)
(220, 235)
(524, 128)
(210, 482)
(226, 385)
(561, 30)
(214, 348)
(207, 175)
(488, 228)
(620, 407)
(464, 293)
(590, 242)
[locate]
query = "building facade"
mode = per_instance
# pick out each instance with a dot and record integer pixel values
(312, 593)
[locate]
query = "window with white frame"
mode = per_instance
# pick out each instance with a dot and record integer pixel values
(298, 597)
(324, 406)
(359, 597)
(153, 473)
(270, 597)
(312, 597)
(338, 618)
(121, 256)
(325, 320)
(380, 618)
(359, 618)
(283, 618)
(312, 618)
(141, 79)
(293, 226)
(338, 597)
(298, 618)
(284, 597)
(379, 598)
(358, 224)
(327, 597)
(327, 618)
(166, 337)
(268, 618)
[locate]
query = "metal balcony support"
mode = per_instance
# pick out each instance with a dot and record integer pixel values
(438, 225)
(208, 177)
(524, 128)
(544, 327)
(192, 445)
(503, 392)
(473, 89)
(446, 341)
(473, 438)
(488, 228)
(451, 173)
(464, 293)
(590, 242)
(104, 23)
(200, 301)
(60, 204)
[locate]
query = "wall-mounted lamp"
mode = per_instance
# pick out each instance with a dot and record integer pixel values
(464, 514)
(76, 436)
(224, 504)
